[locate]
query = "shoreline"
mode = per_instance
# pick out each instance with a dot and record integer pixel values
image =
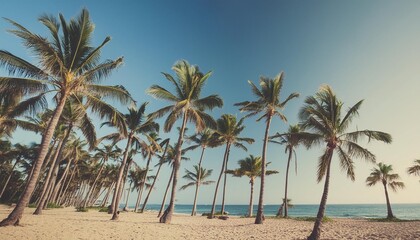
(66, 223)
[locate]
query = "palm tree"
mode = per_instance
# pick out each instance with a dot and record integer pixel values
(149, 150)
(268, 102)
(250, 167)
(135, 122)
(104, 154)
(384, 174)
(196, 178)
(19, 152)
(188, 105)
(228, 130)
(71, 67)
(159, 165)
(170, 158)
(291, 139)
(415, 169)
(203, 139)
(323, 116)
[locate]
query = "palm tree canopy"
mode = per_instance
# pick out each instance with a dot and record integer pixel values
(192, 177)
(204, 139)
(188, 84)
(268, 98)
(250, 167)
(136, 122)
(415, 169)
(67, 65)
(322, 114)
(228, 130)
(383, 173)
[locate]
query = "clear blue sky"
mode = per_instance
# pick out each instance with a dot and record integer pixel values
(364, 49)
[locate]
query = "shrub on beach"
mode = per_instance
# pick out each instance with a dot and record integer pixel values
(53, 205)
(81, 209)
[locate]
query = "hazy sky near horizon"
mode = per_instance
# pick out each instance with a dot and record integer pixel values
(364, 49)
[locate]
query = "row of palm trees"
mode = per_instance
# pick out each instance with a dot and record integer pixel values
(69, 72)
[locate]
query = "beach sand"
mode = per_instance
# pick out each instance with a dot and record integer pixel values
(66, 223)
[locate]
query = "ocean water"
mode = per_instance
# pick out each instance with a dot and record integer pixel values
(402, 211)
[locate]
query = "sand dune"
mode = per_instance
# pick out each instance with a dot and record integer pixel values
(66, 223)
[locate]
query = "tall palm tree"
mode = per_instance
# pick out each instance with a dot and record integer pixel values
(148, 151)
(228, 130)
(291, 139)
(322, 115)
(415, 169)
(136, 122)
(159, 165)
(71, 67)
(170, 159)
(268, 102)
(383, 173)
(203, 139)
(188, 105)
(250, 167)
(196, 178)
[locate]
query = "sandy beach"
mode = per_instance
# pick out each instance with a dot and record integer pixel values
(66, 223)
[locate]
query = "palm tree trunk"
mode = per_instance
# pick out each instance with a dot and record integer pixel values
(9, 177)
(144, 178)
(107, 195)
(42, 198)
(388, 203)
(87, 197)
(167, 215)
(260, 213)
(316, 231)
(218, 180)
(166, 192)
(154, 180)
(251, 204)
(51, 180)
(60, 184)
(16, 214)
(287, 182)
(116, 199)
(68, 184)
(126, 200)
(124, 180)
(197, 185)
(224, 185)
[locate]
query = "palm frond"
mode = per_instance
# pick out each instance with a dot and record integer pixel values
(102, 70)
(117, 92)
(18, 66)
(375, 135)
(346, 163)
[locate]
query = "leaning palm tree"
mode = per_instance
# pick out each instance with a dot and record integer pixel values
(159, 165)
(149, 150)
(250, 167)
(291, 139)
(322, 115)
(196, 178)
(70, 66)
(383, 173)
(415, 169)
(203, 139)
(188, 105)
(268, 102)
(136, 122)
(228, 130)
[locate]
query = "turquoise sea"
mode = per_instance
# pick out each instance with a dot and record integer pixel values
(402, 211)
